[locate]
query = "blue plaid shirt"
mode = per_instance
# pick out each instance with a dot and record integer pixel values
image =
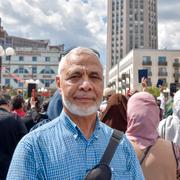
(59, 150)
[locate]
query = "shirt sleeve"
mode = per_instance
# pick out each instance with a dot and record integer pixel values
(23, 165)
(134, 165)
(161, 128)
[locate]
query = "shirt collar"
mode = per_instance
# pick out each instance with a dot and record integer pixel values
(76, 131)
(2, 109)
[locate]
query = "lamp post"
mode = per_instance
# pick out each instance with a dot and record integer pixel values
(7, 52)
(1, 54)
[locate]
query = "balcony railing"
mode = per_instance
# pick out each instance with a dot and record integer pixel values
(162, 73)
(162, 63)
(147, 63)
(176, 75)
(176, 64)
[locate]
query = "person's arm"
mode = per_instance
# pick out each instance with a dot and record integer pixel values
(144, 84)
(23, 164)
(162, 128)
(33, 111)
(32, 115)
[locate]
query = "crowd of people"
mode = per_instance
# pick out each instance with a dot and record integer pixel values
(67, 136)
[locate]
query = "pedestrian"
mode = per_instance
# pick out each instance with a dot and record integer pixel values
(159, 159)
(12, 129)
(115, 113)
(169, 128)
(18, 106)
(107, 93)
(69, 146)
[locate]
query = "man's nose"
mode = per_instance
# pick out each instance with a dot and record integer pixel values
(86, 85)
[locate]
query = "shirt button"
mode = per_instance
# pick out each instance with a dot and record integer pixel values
(75, 136)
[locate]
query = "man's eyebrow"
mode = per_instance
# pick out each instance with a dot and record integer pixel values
(95, 73)
(74, 71)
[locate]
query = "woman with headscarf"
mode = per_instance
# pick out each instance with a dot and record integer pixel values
(159, 158)
(115, 112)
(169, 128)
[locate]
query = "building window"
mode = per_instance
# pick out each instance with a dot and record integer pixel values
(47, 59)
(8, 58)
(34, 58)
(34, 70)
(21, 70)
(147, 60)
(47, 70)
(7, 81)
(47, 82)
(21, 58)
(162, 60)
(162, 72)
(162, 69)
(20, 84)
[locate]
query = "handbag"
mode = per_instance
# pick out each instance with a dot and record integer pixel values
(102, 171)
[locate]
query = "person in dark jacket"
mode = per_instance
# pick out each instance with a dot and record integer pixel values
(54, 109)
(12, 129)
(55, 106)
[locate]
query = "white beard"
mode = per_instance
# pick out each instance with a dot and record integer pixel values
(80, 110)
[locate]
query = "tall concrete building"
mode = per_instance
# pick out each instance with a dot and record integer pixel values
(131, 24)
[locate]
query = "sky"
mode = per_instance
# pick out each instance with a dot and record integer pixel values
(79, 22)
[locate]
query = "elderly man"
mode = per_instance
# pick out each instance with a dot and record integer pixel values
(69, 146)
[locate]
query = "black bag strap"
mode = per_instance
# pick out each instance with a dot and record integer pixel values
(111, 148)
(145, 153)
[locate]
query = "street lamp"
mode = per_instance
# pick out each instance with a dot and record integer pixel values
(7, 52)
(1, 54)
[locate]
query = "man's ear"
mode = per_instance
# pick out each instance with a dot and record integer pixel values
(58, 81)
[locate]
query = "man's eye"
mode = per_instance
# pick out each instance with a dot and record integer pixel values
(74, 77)
(95, 77)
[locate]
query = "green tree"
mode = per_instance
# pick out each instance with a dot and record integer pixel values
(153, 90)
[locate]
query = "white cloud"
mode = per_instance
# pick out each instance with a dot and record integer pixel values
(78, 22)
(169, 36)
(168, 24)
(70, 22)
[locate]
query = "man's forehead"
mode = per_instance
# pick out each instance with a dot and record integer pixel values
(83, 59)
(83, 67)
